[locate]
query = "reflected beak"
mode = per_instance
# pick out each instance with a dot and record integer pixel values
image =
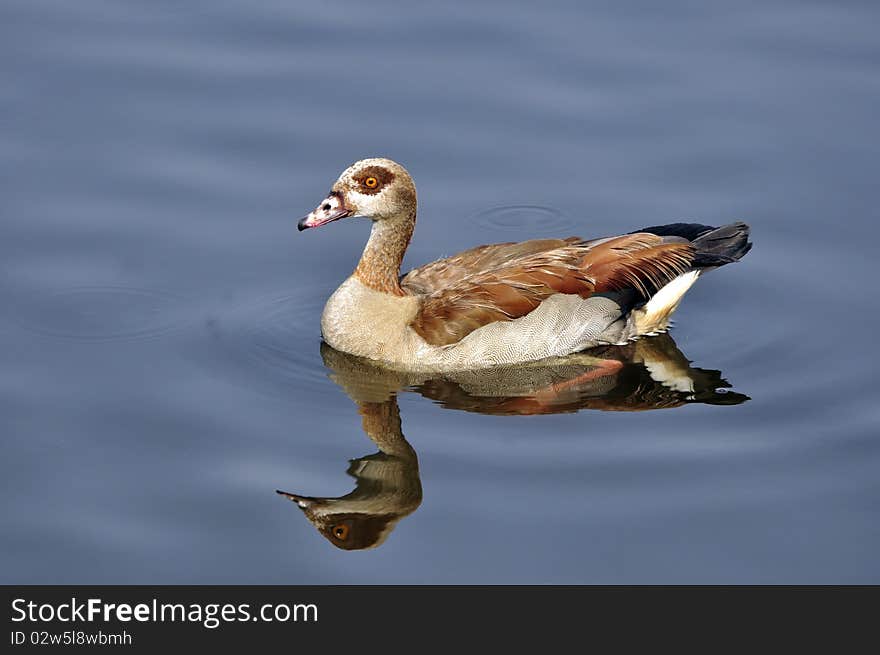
(302, 501)
(332, 209)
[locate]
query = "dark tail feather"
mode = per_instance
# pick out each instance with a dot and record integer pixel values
(714, 246)
(722, 245)
(689, 231)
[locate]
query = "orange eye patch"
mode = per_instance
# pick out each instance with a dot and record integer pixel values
(371, 182)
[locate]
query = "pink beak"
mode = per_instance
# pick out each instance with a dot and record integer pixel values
(332, 209)
(304, 502)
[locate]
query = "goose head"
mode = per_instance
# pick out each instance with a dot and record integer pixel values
(388, 489)
(378, 189)
(344, 524)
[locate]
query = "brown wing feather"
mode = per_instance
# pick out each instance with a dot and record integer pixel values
(481, 286)
(503, 293)
(443, 273)
(641, 261)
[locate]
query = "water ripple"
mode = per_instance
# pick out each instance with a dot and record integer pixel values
(523, 219)
(102, 313)
(270, 344)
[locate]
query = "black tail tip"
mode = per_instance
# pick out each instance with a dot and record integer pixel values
(723, 245)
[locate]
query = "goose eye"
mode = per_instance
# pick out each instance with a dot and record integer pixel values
(371, 182)
(340, 531)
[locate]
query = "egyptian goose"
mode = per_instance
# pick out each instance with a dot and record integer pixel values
(503, 303)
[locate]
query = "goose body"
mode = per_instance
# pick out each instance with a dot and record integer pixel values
(503, 303)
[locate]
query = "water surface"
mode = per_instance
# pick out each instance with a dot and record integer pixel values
(162, 373)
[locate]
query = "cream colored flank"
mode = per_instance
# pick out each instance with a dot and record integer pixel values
(369, 323)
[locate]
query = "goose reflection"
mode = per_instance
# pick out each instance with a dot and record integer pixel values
(643, 375)
(388, 485)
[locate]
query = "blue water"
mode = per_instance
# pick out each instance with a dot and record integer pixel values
(161, 370)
